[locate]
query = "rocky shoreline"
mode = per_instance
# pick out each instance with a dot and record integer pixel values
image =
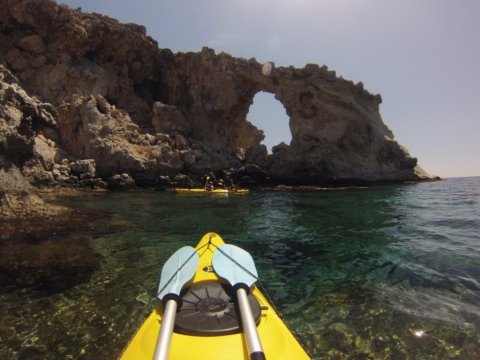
(86, 101)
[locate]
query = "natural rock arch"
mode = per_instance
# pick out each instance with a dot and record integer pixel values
(151, 112)
(337, 132)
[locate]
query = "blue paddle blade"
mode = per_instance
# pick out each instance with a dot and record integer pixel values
(234, 265)
(177, 271)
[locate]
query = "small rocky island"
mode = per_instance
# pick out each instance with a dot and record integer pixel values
(88, 101)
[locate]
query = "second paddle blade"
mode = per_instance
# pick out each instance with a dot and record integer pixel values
(234, 265)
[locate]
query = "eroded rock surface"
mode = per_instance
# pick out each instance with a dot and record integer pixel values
(77, 87)
(337, 132)
(18, 114)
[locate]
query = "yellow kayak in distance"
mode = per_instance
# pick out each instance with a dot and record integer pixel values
(208, 326)
(214, 191)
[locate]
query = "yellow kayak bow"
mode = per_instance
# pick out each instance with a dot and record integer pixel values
(207, 325)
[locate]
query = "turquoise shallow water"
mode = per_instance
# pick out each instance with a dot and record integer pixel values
(381, 273)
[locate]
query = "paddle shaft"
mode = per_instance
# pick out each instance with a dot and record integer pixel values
(254, 346)
(165, 335)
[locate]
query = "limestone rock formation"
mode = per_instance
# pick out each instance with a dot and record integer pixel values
(79, 87)
(18, 113)
(337, 132)
(27, 157)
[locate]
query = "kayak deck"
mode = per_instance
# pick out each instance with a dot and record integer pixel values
(277, 340)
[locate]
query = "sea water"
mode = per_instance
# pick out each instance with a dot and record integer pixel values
(384, 272)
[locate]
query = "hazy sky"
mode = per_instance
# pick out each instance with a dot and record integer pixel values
(422, 56)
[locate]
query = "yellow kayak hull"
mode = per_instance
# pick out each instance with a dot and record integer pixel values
(214, 191)
(277, 340)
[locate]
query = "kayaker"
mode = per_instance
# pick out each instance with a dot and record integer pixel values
(208, 183)
(213, 178)
(228, 182)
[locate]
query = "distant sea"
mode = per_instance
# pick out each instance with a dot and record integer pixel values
(385, 272)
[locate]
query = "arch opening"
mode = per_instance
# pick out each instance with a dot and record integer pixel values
(269, 115)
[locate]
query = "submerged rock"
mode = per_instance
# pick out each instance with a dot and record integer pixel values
(47, 264)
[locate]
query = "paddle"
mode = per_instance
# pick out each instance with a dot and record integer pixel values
(177, 271)
(237, 267)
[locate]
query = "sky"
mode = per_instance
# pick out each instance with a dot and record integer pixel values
(422, 56)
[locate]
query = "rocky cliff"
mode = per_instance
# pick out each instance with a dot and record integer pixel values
(87, 100)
